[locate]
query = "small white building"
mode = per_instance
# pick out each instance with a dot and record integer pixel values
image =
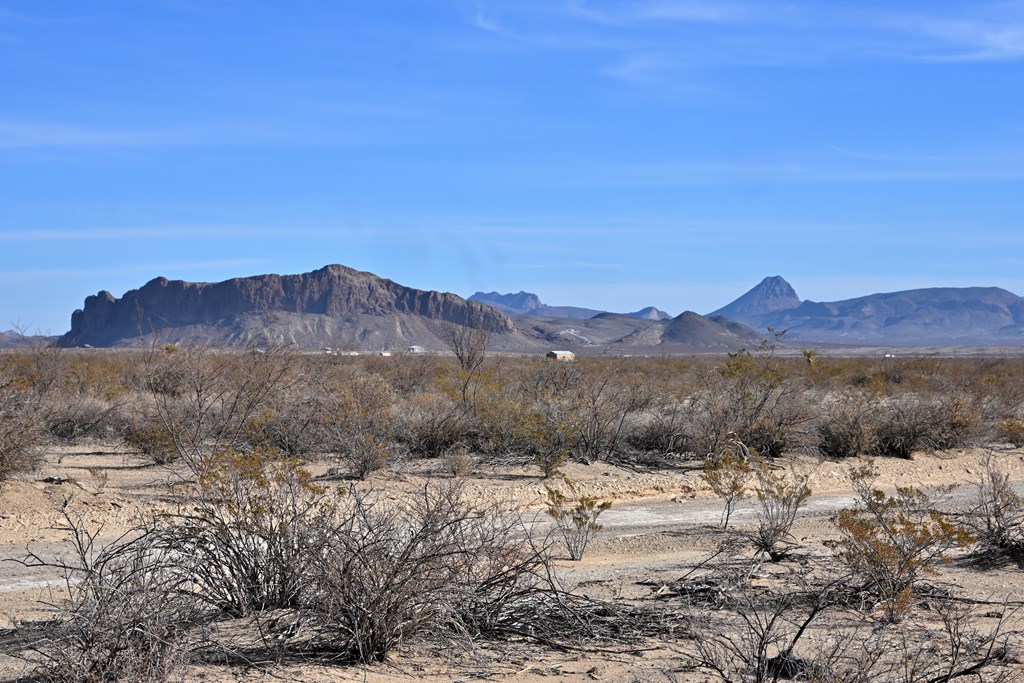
(563, 356)
(415, 348)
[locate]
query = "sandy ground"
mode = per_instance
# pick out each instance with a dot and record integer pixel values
(661, 522)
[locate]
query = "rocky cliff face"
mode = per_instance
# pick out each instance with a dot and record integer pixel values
(334, 293)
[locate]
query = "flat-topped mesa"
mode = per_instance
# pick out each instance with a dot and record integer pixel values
(335, 291)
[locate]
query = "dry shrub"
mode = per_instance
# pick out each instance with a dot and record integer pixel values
(457, 461)
(244, 545)
(436, 563)
(780, 497)
(501, 417)
(728, 473)
(890, 541)
(553, 435)
(908, 422)
(152, 439)
(294, 426)
(1011, 430)
(70, 418)
(664, 427)
(903, 423)
(361, 424)
(21, 429)
(601, 408)
(215, 395)
(760, 645)
(956, 421)
(802, 630)
(751, 397)
(997, 519)
(432, 423)
(576, 522)
(124, 618)
(847, 427)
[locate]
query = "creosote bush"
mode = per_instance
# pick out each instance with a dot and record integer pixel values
(125, 617)
(997, 518)
(909, 423)
(801, 629)
(21, 429)
(357, 574)
(728, 474)
(575, 516)
(780, 496)
(1012, 430)
(847, 427)
(389, 572)
(244, 544)
(890, 541)
(153, 440)
(753, 397)
(361, 425)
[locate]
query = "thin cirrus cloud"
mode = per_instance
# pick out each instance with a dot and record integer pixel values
(648, 47)
(50, 274)
(27, 135)
(565, 265)
(623, 13)
(177, 233)
(973, 41)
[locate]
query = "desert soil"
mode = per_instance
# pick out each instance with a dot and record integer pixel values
(661, 523)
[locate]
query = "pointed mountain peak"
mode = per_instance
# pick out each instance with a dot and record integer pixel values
(771, 294)
(775, 287)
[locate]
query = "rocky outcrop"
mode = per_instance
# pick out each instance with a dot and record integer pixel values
(331, 294)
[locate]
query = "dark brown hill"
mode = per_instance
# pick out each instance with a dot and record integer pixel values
(692, 330)
(333, 304)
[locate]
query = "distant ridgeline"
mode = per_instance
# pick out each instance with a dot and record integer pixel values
(339, 307)
(939, 315)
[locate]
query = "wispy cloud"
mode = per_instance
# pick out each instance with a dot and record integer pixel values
(15, 135)
(565, 265)
(49, 274)
(653, 42)
(801, 168)
(634, 11)
(25, 135)
(971, 40)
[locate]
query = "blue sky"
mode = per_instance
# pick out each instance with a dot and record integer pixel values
(605, 153)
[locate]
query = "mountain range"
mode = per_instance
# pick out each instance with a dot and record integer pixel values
(341, 308)
(937, 315)
(525, 303)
